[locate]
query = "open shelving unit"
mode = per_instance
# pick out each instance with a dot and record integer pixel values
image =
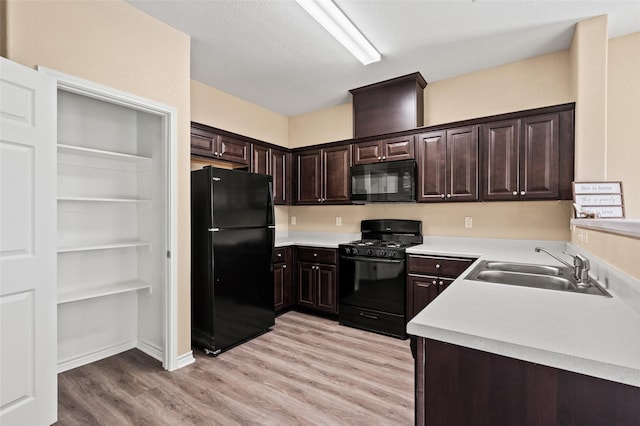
(113, 229)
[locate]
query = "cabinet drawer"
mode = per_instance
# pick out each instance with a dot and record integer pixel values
(376, 321)
(439, 266)
(318, 255)
(279, 254)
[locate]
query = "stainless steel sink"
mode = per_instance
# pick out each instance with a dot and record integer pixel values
(524, 268)
(530, 275)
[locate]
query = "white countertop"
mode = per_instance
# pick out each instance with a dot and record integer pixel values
(588, 334)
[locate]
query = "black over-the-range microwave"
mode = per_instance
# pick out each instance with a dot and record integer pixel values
(384, 182)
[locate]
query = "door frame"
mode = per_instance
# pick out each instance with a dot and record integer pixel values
(170, 360)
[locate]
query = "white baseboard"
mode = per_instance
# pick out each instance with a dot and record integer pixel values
(89, 357)
(150, 349)
(185, 359)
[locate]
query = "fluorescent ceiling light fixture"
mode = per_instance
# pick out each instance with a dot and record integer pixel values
(338, 25)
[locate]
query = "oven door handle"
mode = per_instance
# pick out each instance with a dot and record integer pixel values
(376, 260)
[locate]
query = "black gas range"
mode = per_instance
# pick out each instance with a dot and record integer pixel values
(372, 276)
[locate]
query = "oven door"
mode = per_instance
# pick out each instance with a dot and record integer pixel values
(373, 294)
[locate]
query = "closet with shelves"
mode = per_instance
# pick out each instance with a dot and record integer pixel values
(114, 221)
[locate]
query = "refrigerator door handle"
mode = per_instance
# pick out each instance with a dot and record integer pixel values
(214, 229)
(271, 219)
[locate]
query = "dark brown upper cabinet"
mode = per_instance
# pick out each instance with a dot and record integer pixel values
(280, 170)
(273, 162)
(205, 143)
(448, 165)
(389, 106)
(521, 158)
(322, 175)
(392, 149)
(260, 159)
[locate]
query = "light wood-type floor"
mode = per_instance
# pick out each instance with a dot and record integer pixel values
(306, 371)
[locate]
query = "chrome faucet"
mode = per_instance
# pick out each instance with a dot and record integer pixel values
(580, 266)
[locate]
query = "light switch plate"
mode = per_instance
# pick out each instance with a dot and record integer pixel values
(338, 220)
(293, 220)
(468, 222)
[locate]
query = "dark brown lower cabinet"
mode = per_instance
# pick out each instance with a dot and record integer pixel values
(317, 281)
(282, 278)
(458, 386)
(317, 287)
(429, 276)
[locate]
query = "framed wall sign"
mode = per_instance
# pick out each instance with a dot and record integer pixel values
(598, 199)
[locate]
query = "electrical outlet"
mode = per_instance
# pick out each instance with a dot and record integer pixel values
(293, 220)
(338, 220)
(468, 222)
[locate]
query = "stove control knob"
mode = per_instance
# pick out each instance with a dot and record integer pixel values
(354, 250)
(369, 252)
(347, 250)
(381, 253)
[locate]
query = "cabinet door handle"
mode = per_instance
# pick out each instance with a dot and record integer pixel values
(215, 153)
(441, 195)
(433, 282)
(437, 266)
(515, 193)
(284, 266)
(522, 193)
(384, 158)
(441, 283)
(448, 195)
(362, 314)
(379, 158)
(315, 254)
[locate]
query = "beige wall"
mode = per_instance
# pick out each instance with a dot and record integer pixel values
(623, 113)
(589, 85)
(621, 252)
(621, 154)
(216, 108)
(532, 83)
(114, 44)
(326, 125)
(535, 220)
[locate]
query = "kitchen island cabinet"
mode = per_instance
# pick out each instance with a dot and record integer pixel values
(317, 279)
(496, 351)
(322, 175)
(461, 386)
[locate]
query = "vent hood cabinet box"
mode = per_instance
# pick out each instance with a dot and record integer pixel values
(389, 106)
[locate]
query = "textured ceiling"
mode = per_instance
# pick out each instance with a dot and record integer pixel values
(273, 54)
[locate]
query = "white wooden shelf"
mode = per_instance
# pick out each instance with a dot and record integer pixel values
(105, 246)
(101, 291)
(103, 200)
(100, 153)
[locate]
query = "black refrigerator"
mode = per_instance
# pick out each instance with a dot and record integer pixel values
(232, 240)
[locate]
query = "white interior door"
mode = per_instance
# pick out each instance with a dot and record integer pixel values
(28, 381)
